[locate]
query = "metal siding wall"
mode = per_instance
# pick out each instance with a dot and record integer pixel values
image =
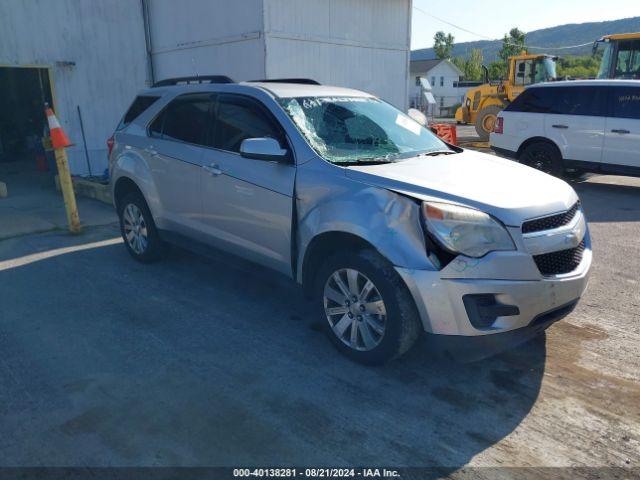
(207, 37)
(106, 41)
(381, 72)
(361, 44)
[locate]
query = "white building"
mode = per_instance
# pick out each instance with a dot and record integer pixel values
(444, 77)
(90, 57)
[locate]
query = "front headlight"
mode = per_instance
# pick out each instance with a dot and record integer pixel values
(465, 230)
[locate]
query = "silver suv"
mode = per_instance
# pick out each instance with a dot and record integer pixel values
(390, 230)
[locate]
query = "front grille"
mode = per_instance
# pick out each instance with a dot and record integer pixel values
(562, 261)
(552, 221)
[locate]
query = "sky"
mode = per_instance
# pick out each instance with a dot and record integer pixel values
(487, 19)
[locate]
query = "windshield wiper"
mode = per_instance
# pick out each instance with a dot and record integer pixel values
(436, 153)
(389, 158)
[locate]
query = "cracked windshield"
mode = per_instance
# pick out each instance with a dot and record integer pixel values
(359, 130)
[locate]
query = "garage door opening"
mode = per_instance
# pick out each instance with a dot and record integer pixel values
(23, 157)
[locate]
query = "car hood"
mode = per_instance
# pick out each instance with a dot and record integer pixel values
(503, 188)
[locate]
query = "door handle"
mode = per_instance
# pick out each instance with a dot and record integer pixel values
(212, 169)
(559, 126)
(150, 150)
(620, 130)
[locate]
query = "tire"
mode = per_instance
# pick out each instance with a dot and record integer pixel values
(145, 244)
(486, 119)
(575, 174)
(543, 156)
(385, 330)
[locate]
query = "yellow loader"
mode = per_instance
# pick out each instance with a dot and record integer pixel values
(621, 56)
(483, 103)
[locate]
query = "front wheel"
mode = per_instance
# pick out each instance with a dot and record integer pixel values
(368, 312)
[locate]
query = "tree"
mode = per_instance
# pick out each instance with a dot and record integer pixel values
(512, 44)
(471, 67)
(497, 70)
(443, 44)
(584, 66)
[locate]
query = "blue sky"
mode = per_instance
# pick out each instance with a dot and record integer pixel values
(488, 19)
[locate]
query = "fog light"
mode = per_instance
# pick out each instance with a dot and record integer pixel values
(484, 309)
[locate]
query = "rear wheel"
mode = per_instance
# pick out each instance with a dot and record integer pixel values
(368, 312)
(485, 120)
(544, 157)
(138, 229)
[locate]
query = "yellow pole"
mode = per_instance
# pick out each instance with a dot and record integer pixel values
(66, 185)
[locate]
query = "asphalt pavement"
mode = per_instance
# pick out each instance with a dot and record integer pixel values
(213, 361)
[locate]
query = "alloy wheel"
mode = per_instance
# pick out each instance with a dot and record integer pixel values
(135, 228)
(355, 309)
(540, 160)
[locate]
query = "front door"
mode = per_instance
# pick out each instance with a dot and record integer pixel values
(622, 135)
(247, 204)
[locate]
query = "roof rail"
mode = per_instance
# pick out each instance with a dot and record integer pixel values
(198, 79)
(305, 81)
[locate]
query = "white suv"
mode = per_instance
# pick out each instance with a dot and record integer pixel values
(583, 126)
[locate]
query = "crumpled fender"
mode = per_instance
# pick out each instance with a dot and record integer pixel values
(389, 221)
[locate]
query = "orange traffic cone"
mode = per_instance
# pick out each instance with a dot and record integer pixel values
(59, 139)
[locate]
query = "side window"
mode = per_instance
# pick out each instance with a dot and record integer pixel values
(525, 72)
(137, 108)
(532, 100)
(476, 100)
(239, 118)
(187, 118)
(628, 60)
(155, 129)
(578, 101)
(624, 102)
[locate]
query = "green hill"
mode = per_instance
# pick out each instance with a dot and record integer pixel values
(562, 35)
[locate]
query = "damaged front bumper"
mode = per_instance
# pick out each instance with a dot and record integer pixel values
(478, 307)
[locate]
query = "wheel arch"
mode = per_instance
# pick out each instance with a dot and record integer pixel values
(124, 186)
(538, 139)
(325, 244)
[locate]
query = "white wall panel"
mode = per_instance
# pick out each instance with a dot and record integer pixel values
(216, 37)
(355, 43)
(360, 44)
(104, 38)
(381, 72)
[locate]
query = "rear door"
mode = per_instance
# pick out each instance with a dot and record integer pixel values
(174, 152)
(622, 137)
(247, 204)
(576, 122)
(522, 119)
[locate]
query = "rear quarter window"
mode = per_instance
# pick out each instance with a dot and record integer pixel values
(625, 102)
(137, 108)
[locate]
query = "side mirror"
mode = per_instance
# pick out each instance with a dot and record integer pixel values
(263, 149)
(418, 116)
